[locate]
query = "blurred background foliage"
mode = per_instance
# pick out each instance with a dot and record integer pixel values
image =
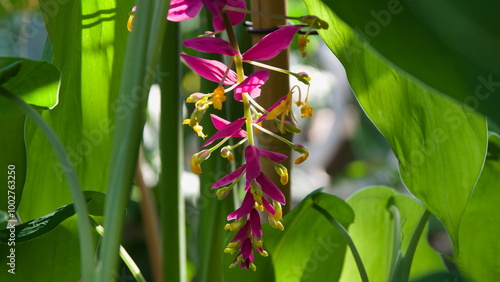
(347, 151)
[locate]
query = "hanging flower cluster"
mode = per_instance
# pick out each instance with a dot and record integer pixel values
(261, 194)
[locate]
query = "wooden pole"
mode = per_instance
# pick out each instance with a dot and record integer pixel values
(276, 87)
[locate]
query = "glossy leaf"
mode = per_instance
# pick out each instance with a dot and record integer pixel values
(309, 249)
(37, 83)
(479, 229)
(440, 145)
(373, 234)
(40, 226)
(450, 46)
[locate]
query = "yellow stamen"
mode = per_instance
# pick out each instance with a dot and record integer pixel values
(218, 97)
(199, 130)
(130, 20)
(303, 44)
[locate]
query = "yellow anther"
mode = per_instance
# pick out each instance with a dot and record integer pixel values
(195, 168)
(130, 20)
(302, 44)
(199, 130)
(301, 159)
(218, 97)
(306, 111)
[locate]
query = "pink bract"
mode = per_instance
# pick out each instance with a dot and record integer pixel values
(272, 44)
(210, 69)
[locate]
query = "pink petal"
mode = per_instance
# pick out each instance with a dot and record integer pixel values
(214, 6)
(210, 69)
(210, 45)
(263, 117)
(246, 248)
(251, 85)
(255, 221)
(270, 189)
(243, 232)
(234, 17)
(219, 123)
(273, 156)
(181, 10)
(269, 208)
(226, 131)
(272, 44)
(246, 207)
(230, 178)
(252, 162)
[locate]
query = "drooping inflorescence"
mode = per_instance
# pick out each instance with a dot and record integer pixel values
(262, 196)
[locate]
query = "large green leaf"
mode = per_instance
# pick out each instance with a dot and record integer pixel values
(88, 41)
(373, 234)
(309, 249)
(440, 145)
(37, 83)
(450, 46)
(479, 229)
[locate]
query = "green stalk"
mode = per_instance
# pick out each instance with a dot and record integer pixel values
(348, 239)
(403, 267)
(127, 259)
(171, 148)
(241, 76)
(138, 73)
(84, 233)
(396, 247)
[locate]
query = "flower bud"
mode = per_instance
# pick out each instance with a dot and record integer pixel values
(290, 127)
(195, 97)
(299, 148)
(282, 172)
(222, 193)
(227, 154)
(278, 215)
(197, 159)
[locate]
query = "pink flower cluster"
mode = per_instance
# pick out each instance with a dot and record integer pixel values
(262, 196)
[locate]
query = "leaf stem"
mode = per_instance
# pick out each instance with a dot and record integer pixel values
(396, 246)
(347, 237)
(85, 235)
(402, 271)
(139, 71)
(127, 259)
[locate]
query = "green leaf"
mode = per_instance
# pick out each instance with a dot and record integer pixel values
(449, 46)
(373, 234)
(37, 83)
(37, 260)
(50, 236)
(309, 249)
(479, 230)
(40, 226)
(88, 41)
(440, 145)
